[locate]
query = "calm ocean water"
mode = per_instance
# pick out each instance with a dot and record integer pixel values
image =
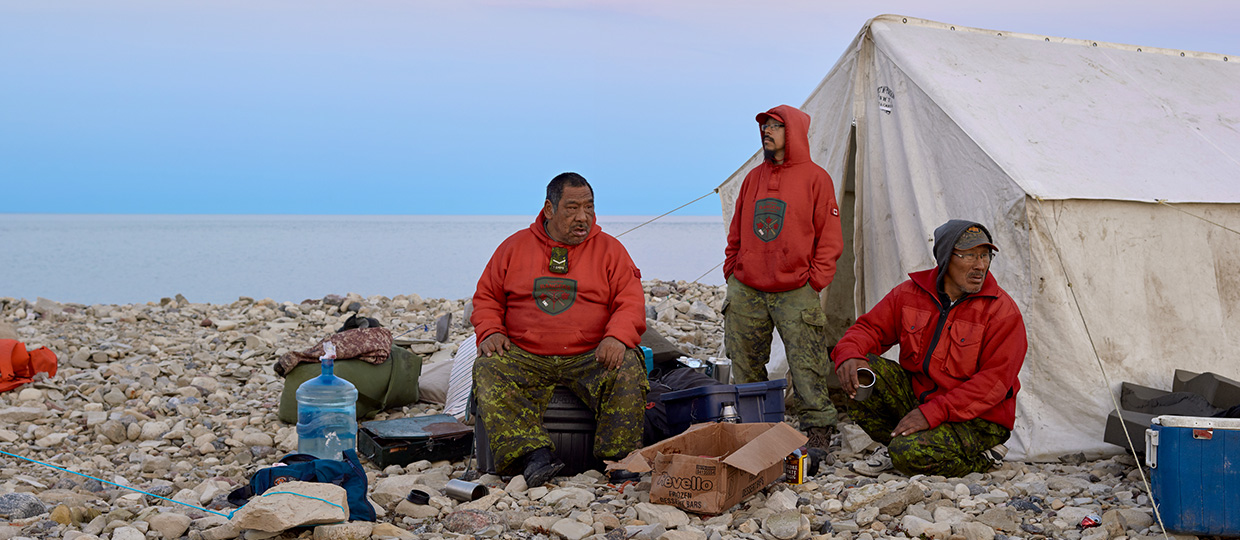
(122, 259)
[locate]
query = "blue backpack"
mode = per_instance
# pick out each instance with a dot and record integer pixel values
(347, 474)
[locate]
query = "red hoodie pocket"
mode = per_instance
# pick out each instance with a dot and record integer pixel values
(963, 351)
(913, 333)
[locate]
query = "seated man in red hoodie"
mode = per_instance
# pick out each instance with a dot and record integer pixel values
(948, 406)
(559, 303)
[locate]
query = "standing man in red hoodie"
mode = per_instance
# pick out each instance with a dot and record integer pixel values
(949, 404)
(559, 303)
(782, 247)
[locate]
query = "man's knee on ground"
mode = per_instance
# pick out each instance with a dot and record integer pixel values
(913, 454)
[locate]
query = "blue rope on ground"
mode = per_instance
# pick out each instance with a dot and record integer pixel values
(228, 515)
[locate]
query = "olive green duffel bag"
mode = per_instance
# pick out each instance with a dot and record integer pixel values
(394, 383)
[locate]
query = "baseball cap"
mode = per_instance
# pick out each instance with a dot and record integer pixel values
(972, 237)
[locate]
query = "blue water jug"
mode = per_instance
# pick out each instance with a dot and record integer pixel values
(326, 412)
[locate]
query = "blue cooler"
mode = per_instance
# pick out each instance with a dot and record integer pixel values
(1195, 471)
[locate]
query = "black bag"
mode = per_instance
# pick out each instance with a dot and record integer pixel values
(654, 426)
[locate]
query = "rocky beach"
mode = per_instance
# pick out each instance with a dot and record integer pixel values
(178, 399)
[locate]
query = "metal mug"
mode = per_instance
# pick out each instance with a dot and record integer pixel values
(720, 369)
(465, 491)
(865, 383)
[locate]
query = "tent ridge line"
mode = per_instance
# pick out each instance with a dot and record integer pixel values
(927, 23)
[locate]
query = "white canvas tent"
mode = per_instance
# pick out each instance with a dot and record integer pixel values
(1109, 175)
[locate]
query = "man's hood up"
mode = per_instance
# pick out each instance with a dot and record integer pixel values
(945, 237)
(796, 132)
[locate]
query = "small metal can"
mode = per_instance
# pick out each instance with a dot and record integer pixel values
(1090, 521)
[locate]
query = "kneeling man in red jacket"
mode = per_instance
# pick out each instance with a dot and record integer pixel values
(948, 406)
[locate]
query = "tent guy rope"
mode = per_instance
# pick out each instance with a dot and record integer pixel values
(1105, 378)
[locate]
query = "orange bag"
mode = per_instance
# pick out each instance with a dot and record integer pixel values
(18, 367)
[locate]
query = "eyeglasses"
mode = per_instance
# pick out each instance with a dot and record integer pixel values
(973, 257)
(770, 125)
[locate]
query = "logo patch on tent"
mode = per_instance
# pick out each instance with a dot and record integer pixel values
(554, 295)
(886, 99)
(768, 218)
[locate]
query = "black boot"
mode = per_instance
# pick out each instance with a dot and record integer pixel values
(541, 466)
(620, 476)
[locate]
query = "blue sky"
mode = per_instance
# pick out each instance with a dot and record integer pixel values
(442, 107)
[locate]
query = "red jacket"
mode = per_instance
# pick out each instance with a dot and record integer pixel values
(560, 314)
(786, 226)
(978, 348)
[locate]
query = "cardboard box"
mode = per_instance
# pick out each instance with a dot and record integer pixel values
(711, 467)
(1195, 476)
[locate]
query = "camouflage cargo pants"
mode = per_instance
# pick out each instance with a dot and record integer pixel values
(951, 449)
(751, 315)
(514, 388)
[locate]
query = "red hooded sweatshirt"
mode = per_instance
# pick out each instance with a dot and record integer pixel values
(786, 227)
(560, 314)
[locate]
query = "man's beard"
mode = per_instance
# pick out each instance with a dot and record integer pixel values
(768, 155)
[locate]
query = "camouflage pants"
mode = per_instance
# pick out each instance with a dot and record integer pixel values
(951, 449)
(514, 388)
(751, 315)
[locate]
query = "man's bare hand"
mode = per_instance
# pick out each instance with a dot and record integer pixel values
(494, 344)
(912, 422)
(610, 352)
(847, 373)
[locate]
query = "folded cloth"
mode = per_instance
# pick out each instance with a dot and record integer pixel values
(369, 344)
(18, 366)
(461, 380)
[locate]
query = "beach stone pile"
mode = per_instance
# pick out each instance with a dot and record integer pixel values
(178, 399)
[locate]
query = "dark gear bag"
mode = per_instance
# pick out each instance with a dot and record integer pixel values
(347, 474)
(669, 378)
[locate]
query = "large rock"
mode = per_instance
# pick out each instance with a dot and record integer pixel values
(571, 529)
(298, 504)
(914, 525)
(668, 516)
(683, 534)
(571, 497)
(893, 504)
(16, 415)
(169, 524)
(470, 521)
(972, 530)
(1001, 518)
(782, 501)
(15, 506)
(385, 531)
(127, 533)
(864, 496)
(355, 530)
(784, 525)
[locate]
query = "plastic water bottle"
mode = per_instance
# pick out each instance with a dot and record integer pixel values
(326, 412)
